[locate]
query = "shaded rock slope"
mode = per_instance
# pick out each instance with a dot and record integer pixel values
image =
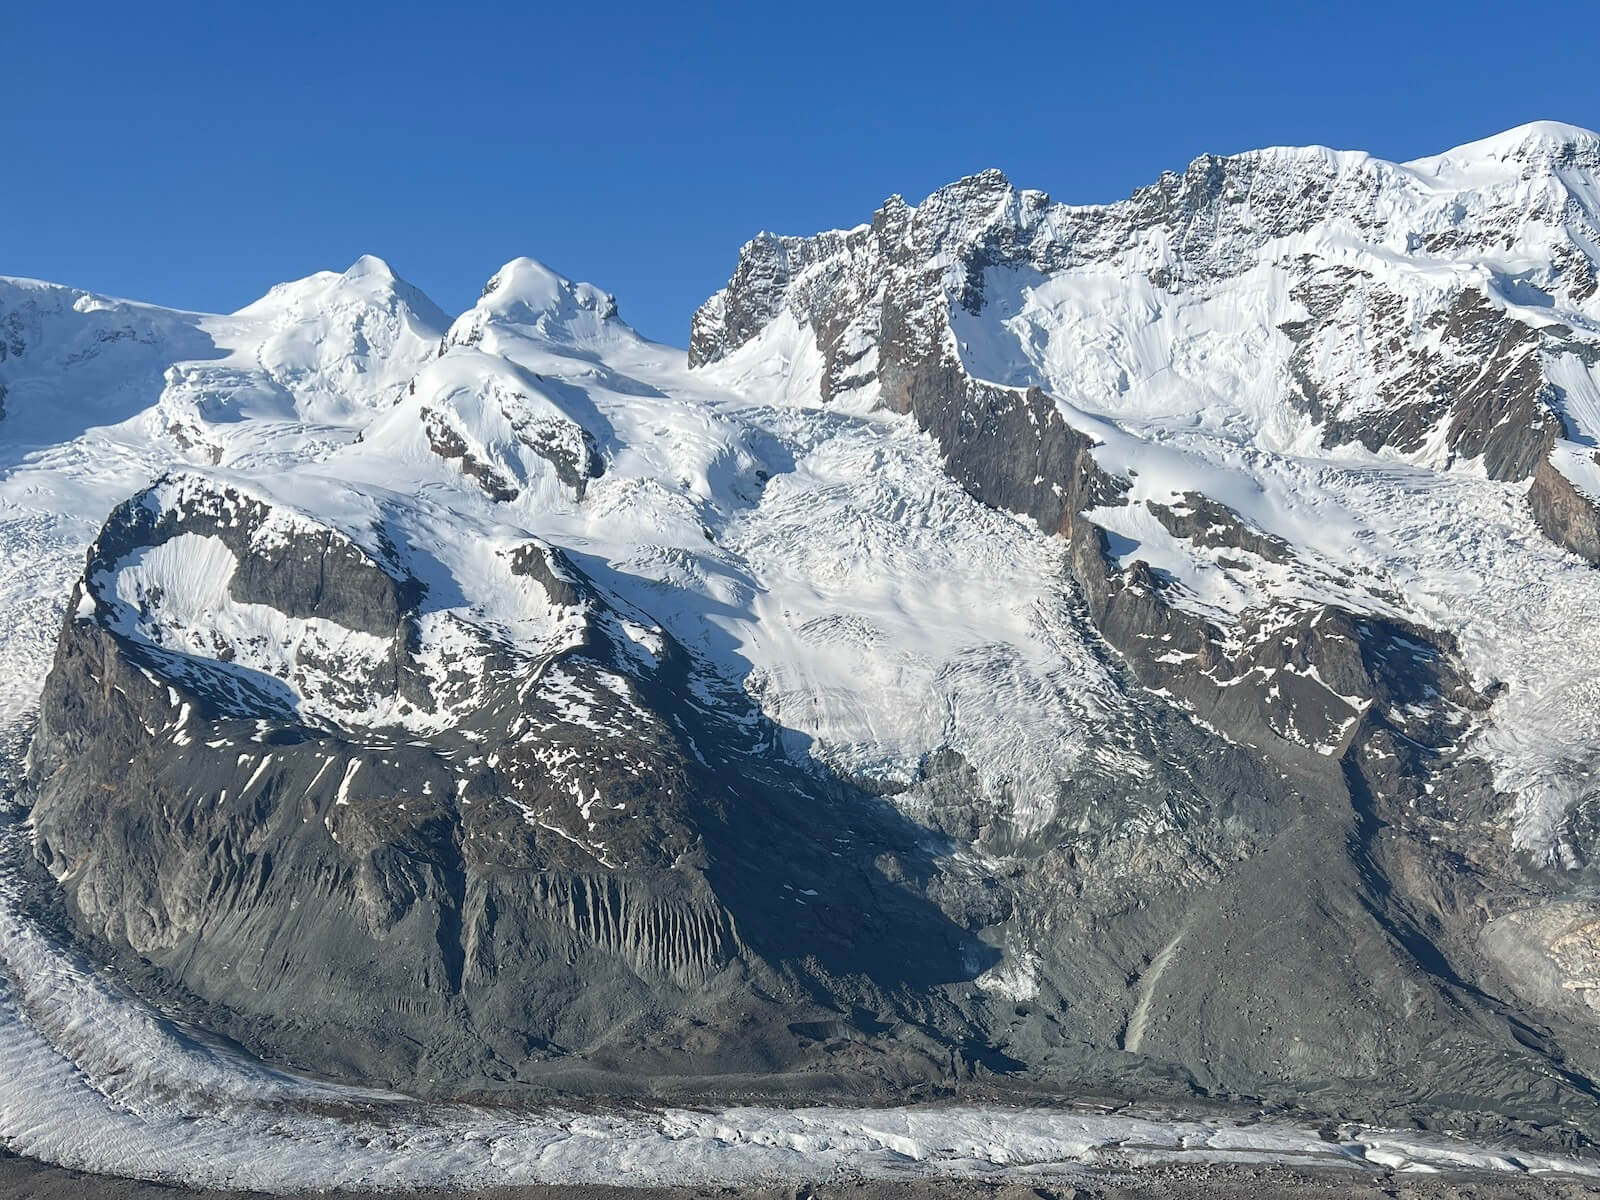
(1141, 649)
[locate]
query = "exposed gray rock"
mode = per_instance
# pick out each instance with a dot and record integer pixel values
(301, 572)
(568, 448)
(1206, 522)
(447, 443)
(1567, 516)
(455, 913)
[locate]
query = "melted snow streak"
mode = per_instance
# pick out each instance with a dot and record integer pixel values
(96, 1081)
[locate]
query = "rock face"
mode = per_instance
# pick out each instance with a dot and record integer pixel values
(1414, 373)
(363, 903)
(1565, 514)
(1138, 648)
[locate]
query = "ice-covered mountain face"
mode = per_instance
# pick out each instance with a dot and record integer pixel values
(1142, 646)
(1278, 390)
(100, 396)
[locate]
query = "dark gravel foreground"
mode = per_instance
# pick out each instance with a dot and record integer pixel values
(27, 1179)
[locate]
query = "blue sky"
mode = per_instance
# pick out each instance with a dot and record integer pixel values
(194, 154)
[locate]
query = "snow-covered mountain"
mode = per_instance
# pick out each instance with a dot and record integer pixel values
(1144, 646)
(1387, 369)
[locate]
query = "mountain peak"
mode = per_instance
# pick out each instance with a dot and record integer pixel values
(526, 284)
(984, 189)
(527, 294)
(370, 266)
(1537, 134)
(1544, 141)
(367, 282)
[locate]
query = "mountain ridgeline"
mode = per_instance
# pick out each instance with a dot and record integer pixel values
(1141, 649)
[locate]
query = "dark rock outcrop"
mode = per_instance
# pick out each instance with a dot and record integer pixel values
(591, 850)
(1567, 516)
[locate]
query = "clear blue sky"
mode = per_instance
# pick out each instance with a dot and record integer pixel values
(194, 154)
